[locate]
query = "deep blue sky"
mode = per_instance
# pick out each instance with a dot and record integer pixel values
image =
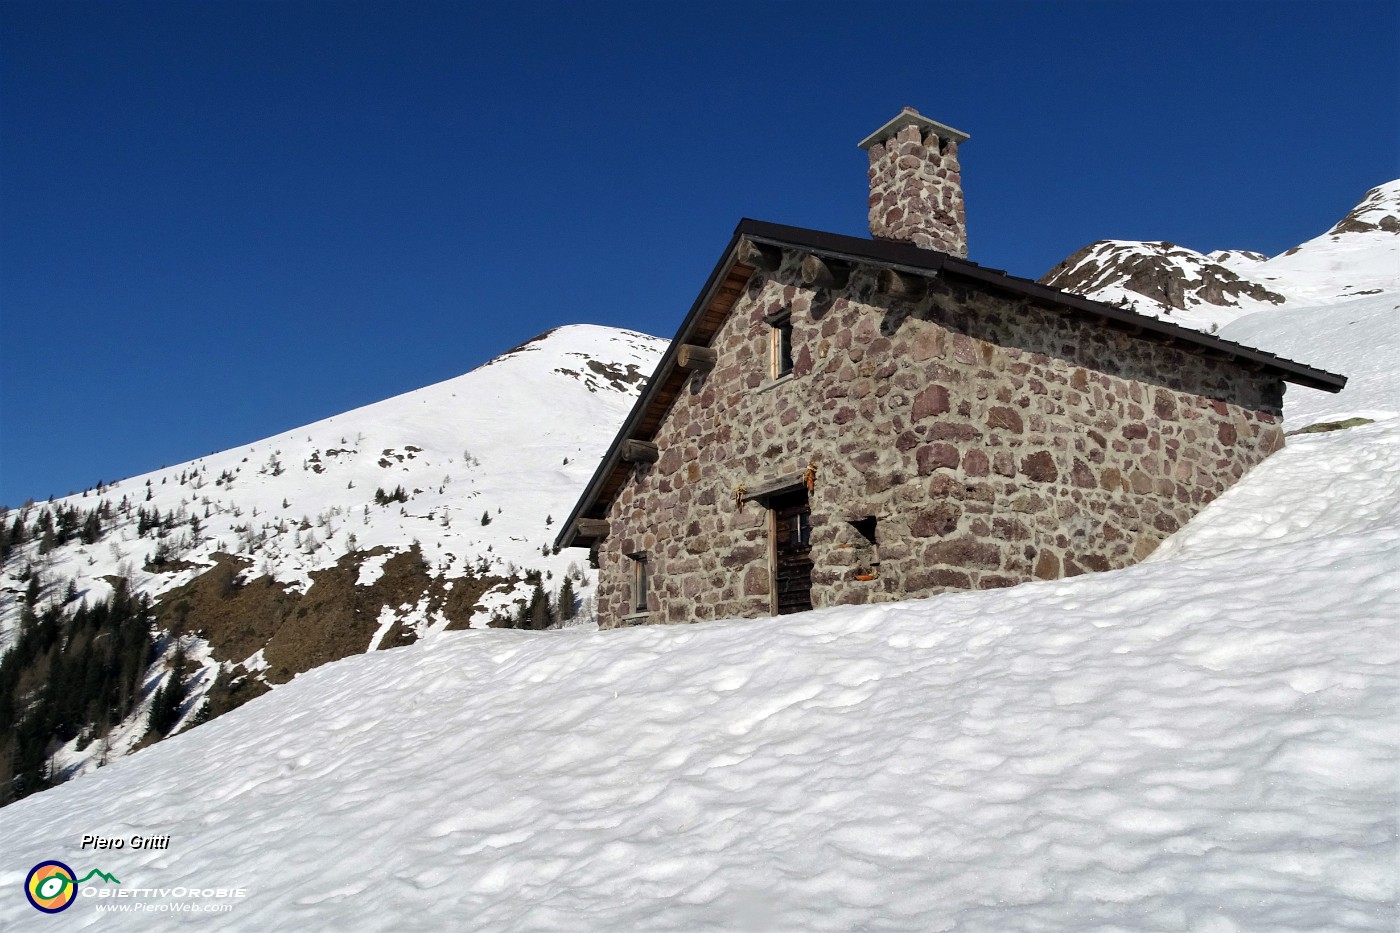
(222, 220)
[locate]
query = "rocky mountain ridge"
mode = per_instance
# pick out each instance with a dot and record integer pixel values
(1356, 257)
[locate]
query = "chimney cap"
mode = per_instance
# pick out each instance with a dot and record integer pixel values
(911, 117)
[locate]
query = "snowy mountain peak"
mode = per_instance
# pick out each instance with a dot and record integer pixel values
(370, 529)
(1358, 256)
(594, 367)
(1227, 257)
(1378, 212)
(1158, 278)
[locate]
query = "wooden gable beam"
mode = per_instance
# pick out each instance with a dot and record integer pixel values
(901, 284)
(759, 255)
(593, 528)
(634, 451)
(690, 356)
(825, 273)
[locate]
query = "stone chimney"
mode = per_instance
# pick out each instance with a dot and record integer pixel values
(915, 185)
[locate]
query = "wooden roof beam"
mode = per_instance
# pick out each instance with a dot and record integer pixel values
(825, 273)
(634, 451)
(903, 285)
(759, 255)
(693, 357)
(594, 529)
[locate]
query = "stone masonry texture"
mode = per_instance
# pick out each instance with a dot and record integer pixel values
(994, 440)
(916, 192)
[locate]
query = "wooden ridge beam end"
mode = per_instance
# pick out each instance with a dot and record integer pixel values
(901, 284)
(760, 256)
(825, 273)
(592, 528)
(640, 452)
(691, 356)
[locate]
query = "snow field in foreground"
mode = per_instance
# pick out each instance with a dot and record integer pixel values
(1206, 741)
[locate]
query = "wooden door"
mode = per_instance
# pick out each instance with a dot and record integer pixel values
(792, 552)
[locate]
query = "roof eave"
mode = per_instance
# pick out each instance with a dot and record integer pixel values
(568, 534)
(1288, 370)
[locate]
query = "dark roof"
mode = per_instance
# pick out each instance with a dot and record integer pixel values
(727, 280)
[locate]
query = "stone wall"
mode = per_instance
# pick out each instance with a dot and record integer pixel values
(916, 191)
(995, 441)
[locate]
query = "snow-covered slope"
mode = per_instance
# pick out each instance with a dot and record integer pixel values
(1358, 338)
(493, 440)
(1359, 256)
(487, 462)
(1206, 741)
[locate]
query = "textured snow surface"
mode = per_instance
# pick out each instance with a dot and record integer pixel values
(1356, 338)
(1206, 741)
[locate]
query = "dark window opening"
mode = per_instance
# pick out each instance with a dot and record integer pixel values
(782, 348)
(866, 527)
(639, 582)
(800, 529)
(869, 568)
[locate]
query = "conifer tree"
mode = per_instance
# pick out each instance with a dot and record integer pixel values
(92, 528)
(566, 600)
(539, 609)
(165, 708)
(160, 705)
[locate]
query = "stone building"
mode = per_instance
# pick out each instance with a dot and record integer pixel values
(841, 420)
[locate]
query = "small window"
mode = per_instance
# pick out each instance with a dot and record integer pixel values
(801, 529)
(782, 347)
(639, 582)
(867, 549)
(866, 527)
